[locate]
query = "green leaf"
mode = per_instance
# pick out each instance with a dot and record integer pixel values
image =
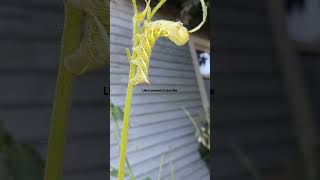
(5, 139)
(116, 112)
(147, 178)
(171, 171)
(24, 163)
(114, 172)
(160, 168)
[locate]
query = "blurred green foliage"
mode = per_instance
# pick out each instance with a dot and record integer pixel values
(21, 161)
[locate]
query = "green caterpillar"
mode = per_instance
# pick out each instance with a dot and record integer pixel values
(93, 51)
(149, 33)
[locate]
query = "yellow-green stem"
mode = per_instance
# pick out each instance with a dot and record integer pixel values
(63, 94)
(125, 127)
(126, 116)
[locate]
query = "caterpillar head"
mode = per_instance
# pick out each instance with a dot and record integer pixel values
(178, 34)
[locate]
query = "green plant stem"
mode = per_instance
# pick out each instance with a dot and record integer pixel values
(126, 121)
(125, 127)
(63, 94)
(117, 131)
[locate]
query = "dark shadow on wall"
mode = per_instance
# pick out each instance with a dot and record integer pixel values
(255, 96)
(30, 49)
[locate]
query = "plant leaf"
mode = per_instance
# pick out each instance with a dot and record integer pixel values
(147, 178)
(24, 163)
(116, 112)
(160, 167)
(114, 172)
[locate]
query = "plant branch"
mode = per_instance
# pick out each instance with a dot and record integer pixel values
(126, 116)
(125, 127)
(63, 94)
(117, 131)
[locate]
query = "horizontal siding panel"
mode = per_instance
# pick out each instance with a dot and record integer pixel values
(74, 151)
(153, 129)
(250, 64)
(34, 124)
(206, 177)
(37, 56)
(195, 163)
(34, 26)
(137, 100)
(152, 140)
(155, 108)
(166, 125)
(235, 17)
(174, 155)
(197, 174)
(85, 175)
(118, 90)
(229, 165)
(254, 111)
(183, 163)
(243, 41)
(178, 165)
(123, 79)
(140, 157)
(32, 88)
(145, 121)
(256, 135)
(245, 87)
(36, 4)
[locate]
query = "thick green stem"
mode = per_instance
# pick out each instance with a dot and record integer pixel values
(118, 136)
(63, 96)
(125, 127)
(126, 116)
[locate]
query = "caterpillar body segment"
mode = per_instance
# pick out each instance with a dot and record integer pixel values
(93, 51)
(147, 37)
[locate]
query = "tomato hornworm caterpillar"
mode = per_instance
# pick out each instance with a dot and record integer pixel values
(150, 32)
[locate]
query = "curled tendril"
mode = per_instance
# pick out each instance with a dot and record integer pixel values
(204, 17)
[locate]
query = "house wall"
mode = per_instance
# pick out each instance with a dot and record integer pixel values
(30, 35)
(158, 125)
(311, 65)
(252, 110)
